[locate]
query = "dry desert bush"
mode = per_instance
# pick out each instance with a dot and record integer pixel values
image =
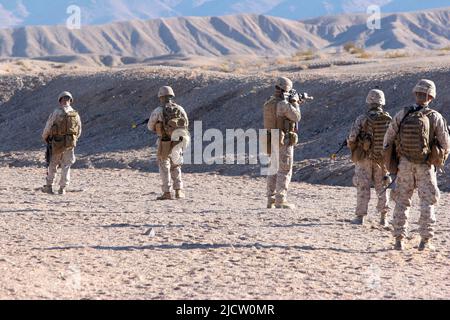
(396, 55)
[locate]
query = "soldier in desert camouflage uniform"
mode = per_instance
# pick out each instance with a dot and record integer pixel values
(419, 133)
(62, 131)
(283, 115)
(366, 143)
(170, 122)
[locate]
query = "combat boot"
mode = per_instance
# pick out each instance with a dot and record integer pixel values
(425, 244)
(284, 205)
(47, 189)
(358, 220)
(399, 244)
(165, 196)
(271, 203)
(62, 191)
(179, 194)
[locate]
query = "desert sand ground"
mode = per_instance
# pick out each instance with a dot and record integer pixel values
(219, 244)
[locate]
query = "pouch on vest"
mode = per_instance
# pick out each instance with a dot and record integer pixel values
(58, 144)
(358, 154)
(360, 149)
(65, 131)
(438, 157)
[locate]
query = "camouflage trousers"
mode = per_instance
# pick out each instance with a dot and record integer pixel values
(368, 172)
(423, 177)
(278, 184)
(170, 175)
(63, 160)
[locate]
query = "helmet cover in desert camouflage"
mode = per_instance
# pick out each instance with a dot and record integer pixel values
(376, 97)
(426, 86)
(285, 84)
(65, 94)
(166, 91)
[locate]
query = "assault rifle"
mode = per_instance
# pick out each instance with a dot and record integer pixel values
(341, 147)
(389, 186)
(291, 96)
(137, 125)
(48, 153)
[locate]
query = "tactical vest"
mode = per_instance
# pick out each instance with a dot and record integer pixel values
(416, 135)
(272, 122)
(377, 124)
(65, 131)
(173, 120)
(270, 113)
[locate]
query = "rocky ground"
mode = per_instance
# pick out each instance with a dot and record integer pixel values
(219, 244)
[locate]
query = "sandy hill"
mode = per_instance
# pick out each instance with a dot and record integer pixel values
(241, 34)
(417, 30)
(228, 35)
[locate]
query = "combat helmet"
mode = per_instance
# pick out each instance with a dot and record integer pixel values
(426, 86)
(65, 94)
(166, 91)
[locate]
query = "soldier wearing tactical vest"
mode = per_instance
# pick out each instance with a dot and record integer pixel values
(366, 144)
(62, 131)
(282, 114)
(421, 138)
(170, 122)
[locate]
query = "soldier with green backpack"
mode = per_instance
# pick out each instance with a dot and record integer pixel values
(61, 133)
(366, 144)
(419, 135)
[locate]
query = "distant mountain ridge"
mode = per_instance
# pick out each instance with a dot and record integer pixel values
(228, 35)
(49, 12)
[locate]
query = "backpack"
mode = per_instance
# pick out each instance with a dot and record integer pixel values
(173, 120)
(416, 136)
(65, 131)
(377, 125)
(370, 141)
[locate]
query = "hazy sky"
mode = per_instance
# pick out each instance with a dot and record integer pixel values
(48, 12)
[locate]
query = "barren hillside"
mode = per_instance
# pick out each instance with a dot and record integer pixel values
(223, 36)
(110, 101)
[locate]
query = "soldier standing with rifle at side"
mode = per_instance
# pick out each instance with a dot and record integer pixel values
(418, 140)
(366, 144)
(61, 133)
(170, 122)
